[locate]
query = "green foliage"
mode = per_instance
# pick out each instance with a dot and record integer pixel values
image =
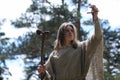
(117, 77)
(111, 51)
(3, 53)
(48, 17)
(83, 2)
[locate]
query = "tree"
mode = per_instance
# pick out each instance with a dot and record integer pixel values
(3, 54)
(112, 51)
(47, 16)
(35, 17)
(79, 4)
(44, 16)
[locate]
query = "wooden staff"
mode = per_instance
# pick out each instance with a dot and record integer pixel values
(43, 35)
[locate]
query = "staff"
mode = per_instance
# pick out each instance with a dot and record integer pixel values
(43, 35)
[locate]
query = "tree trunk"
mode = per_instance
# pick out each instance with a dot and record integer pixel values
(78, 20)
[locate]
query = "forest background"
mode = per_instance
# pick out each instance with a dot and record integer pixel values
(47, 16)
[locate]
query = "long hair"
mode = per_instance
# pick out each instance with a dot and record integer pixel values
(60, 40)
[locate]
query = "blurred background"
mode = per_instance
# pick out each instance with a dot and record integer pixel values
(20, 46)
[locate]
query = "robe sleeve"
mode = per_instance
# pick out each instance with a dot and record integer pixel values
(92, 43)
(91, 46)
(95, 71)
(49, 69)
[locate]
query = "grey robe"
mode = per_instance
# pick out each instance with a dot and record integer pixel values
(68, 63)
(96, 70)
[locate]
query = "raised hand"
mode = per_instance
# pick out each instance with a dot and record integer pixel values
(94, 12)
